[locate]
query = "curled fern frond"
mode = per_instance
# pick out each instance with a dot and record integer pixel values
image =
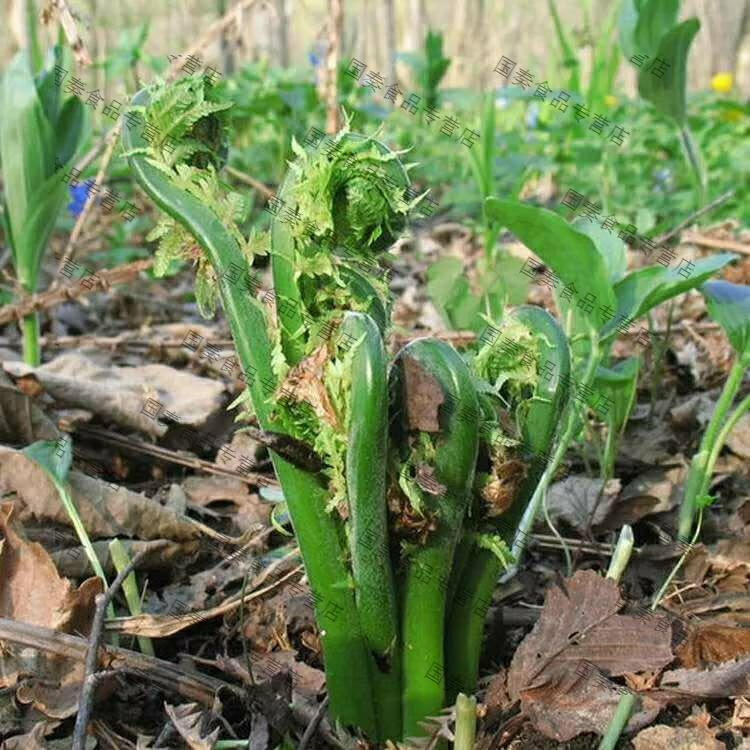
(188, 117)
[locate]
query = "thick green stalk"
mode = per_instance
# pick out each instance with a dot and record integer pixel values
(121, 560)
(721, 438)
(32, 354)
(699, 477)
(319, 537)
(480, 573)
(428, 566)
(695, 161)
(624, 709)
(366, 460)
(466, 722)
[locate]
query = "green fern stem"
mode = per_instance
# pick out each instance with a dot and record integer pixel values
(428, 566)
(540, 423)
(318, 535)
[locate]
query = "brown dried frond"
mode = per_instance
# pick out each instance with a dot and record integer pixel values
(505, 479)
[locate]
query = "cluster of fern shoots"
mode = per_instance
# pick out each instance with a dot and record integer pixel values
(420, 455)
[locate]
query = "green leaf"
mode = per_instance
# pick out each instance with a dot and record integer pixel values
(70, 125)
(656, 18)
(729, 306)
(668, 93)
(619, 384)
(37, 227)
(645, 288)
(609, 246)
(568, 251)
(54, 456)
(24, 140)
(462, 308)
(626, 23)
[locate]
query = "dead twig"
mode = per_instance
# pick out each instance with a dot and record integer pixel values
(248, 180)
(701, 239)
(175, 457)
(61, 9)
(86, 698)
(662, 238)
(193, 686)
(312, 727)
(101, 281)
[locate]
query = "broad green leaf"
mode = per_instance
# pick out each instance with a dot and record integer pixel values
(70, 125)
(32, 238)
(54, 456)
(668, 93)
(23, 140)
(656, 18)
(626, 22)
(647, 287)
(609, 246)
(569, 252)
(618, 383)
(729, 306)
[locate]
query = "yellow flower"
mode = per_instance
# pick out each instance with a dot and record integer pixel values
(610, 101)
(732, 115)
(722, 82)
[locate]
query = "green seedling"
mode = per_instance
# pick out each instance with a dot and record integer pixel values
(595, 298)
(729, 305)
(55, 457)
(653, 40)
(39, 137)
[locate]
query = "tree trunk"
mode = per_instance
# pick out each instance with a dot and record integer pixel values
(282, 8)
(335, 29)
(390, 41)
(227, 56)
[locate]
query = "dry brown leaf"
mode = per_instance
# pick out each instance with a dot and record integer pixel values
(576, 626)
(662, 737)
(730, 678)
(655, 491)
(122, 394)
(33, 740)
(713, 643)
(209, 489)
(423, 396)
(305, 382)
(31, 590)
(741, 716)
(187, 721)
(573, 500)
(105, 512)
(21, 420)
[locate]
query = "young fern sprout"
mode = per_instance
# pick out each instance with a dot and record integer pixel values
(397, 520)
(354, 194)
(528, 394)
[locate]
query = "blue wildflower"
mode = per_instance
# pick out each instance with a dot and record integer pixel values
(78, 195)
(532, 115)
